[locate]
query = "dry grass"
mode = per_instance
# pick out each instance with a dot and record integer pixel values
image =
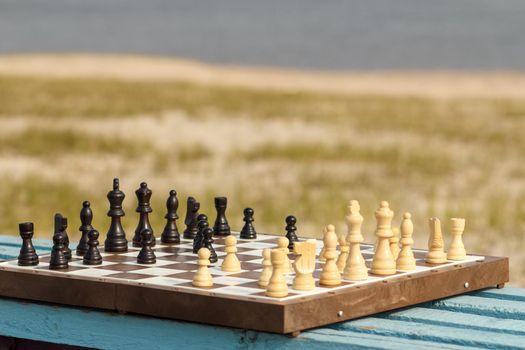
(303, 153)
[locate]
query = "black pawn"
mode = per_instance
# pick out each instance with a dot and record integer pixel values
(27, 256)
(92, 256)
(116, 237)
(58, 260)
(207, 243)
(60, 228)
(221, 227)
(143, 194)
(290, 231)
(86, 217)
(146, 254)
(199, 237)
(171, 232)
(248, 231)
(191, 220)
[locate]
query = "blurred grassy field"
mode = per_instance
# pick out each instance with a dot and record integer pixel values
(302, 153)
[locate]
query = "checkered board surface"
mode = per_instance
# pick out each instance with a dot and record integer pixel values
(176, 265)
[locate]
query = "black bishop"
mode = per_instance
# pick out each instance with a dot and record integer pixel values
(171, 234)
(86, 217)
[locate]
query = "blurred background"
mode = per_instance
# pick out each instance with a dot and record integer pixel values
(290, 107)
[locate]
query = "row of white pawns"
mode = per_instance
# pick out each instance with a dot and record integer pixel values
(350, 265)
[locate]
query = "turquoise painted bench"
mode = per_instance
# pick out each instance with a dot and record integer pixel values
(488, 319)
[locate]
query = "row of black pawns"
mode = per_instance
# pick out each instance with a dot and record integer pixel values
(197, 228)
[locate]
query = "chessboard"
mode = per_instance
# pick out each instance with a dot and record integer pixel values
(165, 289)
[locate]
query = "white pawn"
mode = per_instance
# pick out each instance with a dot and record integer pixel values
(282, 244)
(456, 250)
(231, 263)
(405, 260)
(277, 287)
(394, 242)
(266, 273)
(436, 253)
(321, 253)
(383, 262)
(330, 275)
(202, 277)
(343, 254)
(355, 269)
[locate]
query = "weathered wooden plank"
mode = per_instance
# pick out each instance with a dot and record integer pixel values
(472, 304)
(435, 333)
(507, 293)
(16, 241)
(457, 320)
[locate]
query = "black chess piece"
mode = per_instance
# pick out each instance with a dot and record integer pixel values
(221, 227)
(146, 254)
(290, 231)
(171, 234)
(92, 256)
(116, 237)
(248, 231)
(199, 237)
(58, 260)
(86, 217)
(60, 228)
(27, 256)
(191, 220)
(143, 196)
(207, 243)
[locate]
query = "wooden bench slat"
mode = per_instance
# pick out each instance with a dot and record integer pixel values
(458, 320)
(507, 293)
(435, 333)
(472, 304)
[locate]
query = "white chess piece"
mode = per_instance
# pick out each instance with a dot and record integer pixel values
(436, 253)
(282, 244)
(394, 242)
(343, 253)
(277, 287)
(330, 275)
(231, 263)
(355, 269)
(456, 250)
(304, 265)
(202, 277)
(383, 262)
(405, 260)
(266, 273)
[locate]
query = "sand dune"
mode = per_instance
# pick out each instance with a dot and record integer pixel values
(439, 84)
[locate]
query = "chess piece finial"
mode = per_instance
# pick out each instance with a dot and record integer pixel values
(277, 287)
(198, 241)
(27, 256)
(191, 220)
(383, 262)
(290, 231)
(248, 231)
(405, 260)
(170, 234)
(202, 277)
(207, 243)
(266, 273)
(456, 250)
(58, 260)
(330, 275)
(221, 226)
(116, 236)
(231, 263)
(86, 217)
(92, 256)
(146, 254)
(304, 265)
(143, 194)
(355, 269)
(436, 253)
(394, 242)
(282, 243)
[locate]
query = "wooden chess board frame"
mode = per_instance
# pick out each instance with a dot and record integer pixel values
(288, 315)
